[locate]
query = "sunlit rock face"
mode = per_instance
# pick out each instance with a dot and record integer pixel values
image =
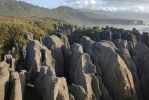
(55, 44)
(4, 77)
(111, 68)
(115, 73)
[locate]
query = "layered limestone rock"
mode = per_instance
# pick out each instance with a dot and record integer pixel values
(38, 56)
(16, 92)
(23, 76)
(142, 63)
(55, 44)
(139, 47)
(116, 75)
(4, 77)
(81, 68)
(55, 88)
(124, 53)
(119, 43)
(52, 87)
(82, 75)
(78, 92)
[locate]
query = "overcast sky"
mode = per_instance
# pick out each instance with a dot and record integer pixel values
(109, 5)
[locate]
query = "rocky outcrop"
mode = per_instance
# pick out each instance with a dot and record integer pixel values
(23, 76)
(55, 44)
(145, 38)
(55, 89)
(139, 47)
(4, 77)
(119, 43)
(82, 73)
(16, 92)
(38, 56)
(78, 92)
(124, 53)
(141, 62)
(81, 70)
(116, 75)
(112, 67)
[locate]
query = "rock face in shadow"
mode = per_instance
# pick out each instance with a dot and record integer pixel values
(116, 75)
(119, 43)
(82, 74)
(16, 92)
(142, 63)
(4, 77)
(81, 70)
(38, 56)
(52, 87)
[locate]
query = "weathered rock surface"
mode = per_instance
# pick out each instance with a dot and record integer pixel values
(124, 53)
(23, 75)
(55, 44)
(142, 63)
(81, 70)
(55, 89)
(38, 56)
(4, 77)
(116, 75)
(16, 92)
(139, 47)
(119, 43)
(112, 67)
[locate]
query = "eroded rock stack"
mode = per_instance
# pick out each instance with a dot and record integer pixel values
(111, 67)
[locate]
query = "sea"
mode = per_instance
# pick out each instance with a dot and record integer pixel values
(141, 28)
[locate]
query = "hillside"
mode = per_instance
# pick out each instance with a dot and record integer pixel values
(19, 8)
(122, 14)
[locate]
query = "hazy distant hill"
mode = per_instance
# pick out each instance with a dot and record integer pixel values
(122, 14)
(19, 8)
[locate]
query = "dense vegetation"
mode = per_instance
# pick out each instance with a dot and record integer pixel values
(12, 29)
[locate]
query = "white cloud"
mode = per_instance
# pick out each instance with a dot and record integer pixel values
(81, 3)
(111, 5)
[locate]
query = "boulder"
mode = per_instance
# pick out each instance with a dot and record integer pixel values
(4, 77)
